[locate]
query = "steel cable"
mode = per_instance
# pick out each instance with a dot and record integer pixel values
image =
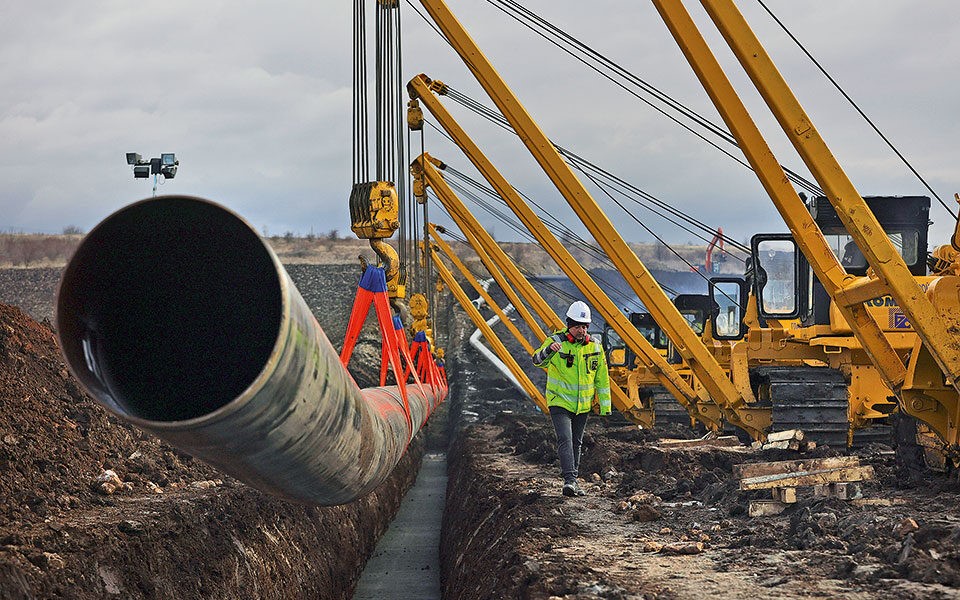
(555, 225)
(582, 163)
(857, 108)
(519, 14)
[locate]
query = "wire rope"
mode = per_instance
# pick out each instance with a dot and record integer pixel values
(582, 163)
(856, 107)
(565, 232)
(543, 283)
(519, 13)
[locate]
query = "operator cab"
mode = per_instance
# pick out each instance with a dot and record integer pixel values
(696, 309)
(782, 280)
(617, 352)
(905, 219)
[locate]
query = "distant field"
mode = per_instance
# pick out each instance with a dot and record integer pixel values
(44, 250)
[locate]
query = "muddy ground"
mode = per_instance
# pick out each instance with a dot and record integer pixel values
(515, 535)
(508, 533)
(164, 525)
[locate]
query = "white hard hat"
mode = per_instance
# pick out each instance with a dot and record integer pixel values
(579, 312)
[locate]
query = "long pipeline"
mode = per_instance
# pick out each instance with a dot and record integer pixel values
(177, 317)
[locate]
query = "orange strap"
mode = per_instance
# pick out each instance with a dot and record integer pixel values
(373, 290)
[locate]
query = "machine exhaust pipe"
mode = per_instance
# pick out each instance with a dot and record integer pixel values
(177, 317)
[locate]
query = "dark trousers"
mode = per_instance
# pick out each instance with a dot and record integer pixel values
(569, 428)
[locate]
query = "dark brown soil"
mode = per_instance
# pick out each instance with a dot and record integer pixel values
(178, 529)
(174, 527)
(515, 536)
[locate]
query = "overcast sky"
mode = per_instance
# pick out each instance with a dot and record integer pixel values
(255, 100)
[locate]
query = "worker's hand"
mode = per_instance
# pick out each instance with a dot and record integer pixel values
(555, 347)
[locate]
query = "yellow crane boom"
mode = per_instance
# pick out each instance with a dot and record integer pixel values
(927, 385)
(689, 346)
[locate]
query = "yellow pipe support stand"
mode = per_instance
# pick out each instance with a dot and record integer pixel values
(479, 289)
(488, 333)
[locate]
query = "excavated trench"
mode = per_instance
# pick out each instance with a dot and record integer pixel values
(94, 508)
(656, 523)
(167, 525)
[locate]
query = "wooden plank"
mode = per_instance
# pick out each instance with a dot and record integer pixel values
(842, 490)
(801, 478)
(786, 495)
(765, 508)
(745, 470)
(722, 441)
(781, 445)
(878, 501)
(789, 434)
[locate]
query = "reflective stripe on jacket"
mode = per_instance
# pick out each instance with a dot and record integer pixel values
(575, 374)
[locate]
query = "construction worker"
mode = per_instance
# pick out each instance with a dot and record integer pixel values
(852, 256)
(576, 373)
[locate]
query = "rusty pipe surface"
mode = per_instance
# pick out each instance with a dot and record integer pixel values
(176, 316)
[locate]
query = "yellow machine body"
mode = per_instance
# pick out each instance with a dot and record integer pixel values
(374, 210)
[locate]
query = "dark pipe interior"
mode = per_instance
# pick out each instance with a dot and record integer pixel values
(169, 309)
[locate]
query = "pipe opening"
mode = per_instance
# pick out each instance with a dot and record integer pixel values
(169, 309)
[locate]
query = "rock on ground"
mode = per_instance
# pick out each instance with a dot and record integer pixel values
(509, 532)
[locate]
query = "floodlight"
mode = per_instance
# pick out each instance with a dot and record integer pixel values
(166, 165)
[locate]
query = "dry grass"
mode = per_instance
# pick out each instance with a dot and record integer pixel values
(42, 250)
(36, 250)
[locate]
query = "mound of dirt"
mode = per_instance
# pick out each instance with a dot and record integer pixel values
(93, 508)
(55, 441)
(672, 523)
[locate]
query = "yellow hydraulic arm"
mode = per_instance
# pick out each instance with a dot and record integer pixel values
(495, 272)
(651, 359)
(485, 245)
(488, 333)
(507, 282)
(798, 219)
(446, 249)
(491, 254)
(688, 344)
(920, 384)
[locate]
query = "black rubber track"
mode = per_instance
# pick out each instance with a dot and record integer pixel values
(815, 399)
(665, 407)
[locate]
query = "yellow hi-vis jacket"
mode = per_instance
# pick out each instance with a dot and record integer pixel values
(575, 373)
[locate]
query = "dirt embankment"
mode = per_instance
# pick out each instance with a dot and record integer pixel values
(165, 525)
(516, 536)
(508, 533)
(341, 248)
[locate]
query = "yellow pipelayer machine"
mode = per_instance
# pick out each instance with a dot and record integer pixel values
(923, 380)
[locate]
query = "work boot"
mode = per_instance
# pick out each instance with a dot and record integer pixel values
(571, 488)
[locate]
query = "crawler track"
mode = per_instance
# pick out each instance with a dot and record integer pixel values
(666, 408)
(808, 398)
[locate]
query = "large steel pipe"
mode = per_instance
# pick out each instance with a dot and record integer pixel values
(176, 316)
